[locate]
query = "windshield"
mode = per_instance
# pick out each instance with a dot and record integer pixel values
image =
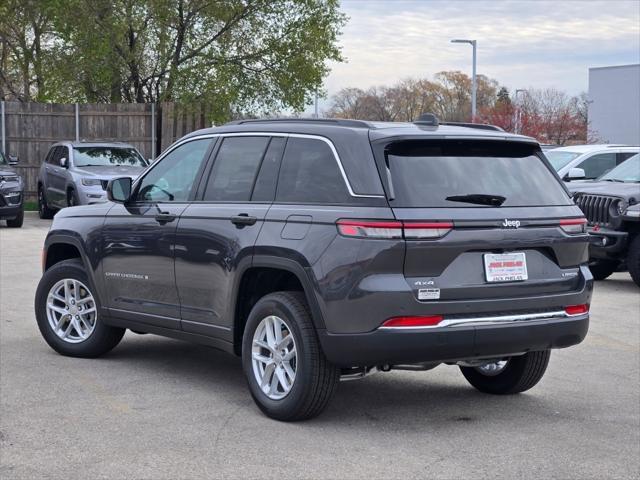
(627, 171)
(107, 156)
(559, 159)
(471, 174)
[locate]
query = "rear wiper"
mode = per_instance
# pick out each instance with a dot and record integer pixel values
(479, 199)
(612, 180)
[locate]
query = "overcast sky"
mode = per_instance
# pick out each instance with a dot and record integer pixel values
(521, 44)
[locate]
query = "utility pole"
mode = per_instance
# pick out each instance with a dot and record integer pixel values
(518, 122)
(316, 114)
(474, 86)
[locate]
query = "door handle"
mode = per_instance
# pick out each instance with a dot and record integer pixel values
(165, 217)
(243, 219)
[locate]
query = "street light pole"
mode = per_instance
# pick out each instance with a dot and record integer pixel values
(518, 125)
(474, 86)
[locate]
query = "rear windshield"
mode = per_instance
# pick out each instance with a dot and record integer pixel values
(470, 174)
(107, 156)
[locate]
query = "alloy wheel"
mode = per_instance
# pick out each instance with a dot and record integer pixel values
(274, 357)
(493, 369)
(71, 310)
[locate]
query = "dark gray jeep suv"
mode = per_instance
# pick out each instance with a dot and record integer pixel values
(329, 249)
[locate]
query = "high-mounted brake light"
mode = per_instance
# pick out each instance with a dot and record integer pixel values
(393, 229)
(573, 225)
(412, 322)
(572, 310)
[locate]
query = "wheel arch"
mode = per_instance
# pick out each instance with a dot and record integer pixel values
(268, 274)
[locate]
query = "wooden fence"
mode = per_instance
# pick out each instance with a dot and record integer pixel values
(29, 129)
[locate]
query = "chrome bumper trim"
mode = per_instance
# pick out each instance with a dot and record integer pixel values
(495, 320)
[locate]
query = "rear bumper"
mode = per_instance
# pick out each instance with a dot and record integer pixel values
(452, 343)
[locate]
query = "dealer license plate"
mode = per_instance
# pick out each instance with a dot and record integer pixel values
(505, 267)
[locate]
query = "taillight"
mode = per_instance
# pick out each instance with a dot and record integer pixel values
(393, 229)
(413, 322)
(577, 309)
(369, 229)
(573, 225)
(416, 230)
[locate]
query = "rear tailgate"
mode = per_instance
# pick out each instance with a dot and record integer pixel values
(483, 220)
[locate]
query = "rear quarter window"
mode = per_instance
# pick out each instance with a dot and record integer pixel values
(310, 174)
(425, 173)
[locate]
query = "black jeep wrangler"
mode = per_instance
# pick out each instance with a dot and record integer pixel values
(612, 207)
(327, 249)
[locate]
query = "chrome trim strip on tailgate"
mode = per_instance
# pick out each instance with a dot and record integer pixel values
(494, 320)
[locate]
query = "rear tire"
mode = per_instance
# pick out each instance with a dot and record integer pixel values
(44, 212)
(18, 221)
(633, 259)
(315, 378)
(520, 374)
(602, 269)
(100, 339)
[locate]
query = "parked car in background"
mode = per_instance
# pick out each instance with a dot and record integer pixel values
(548, 146)
(588, 162)
(326, 249)
(11, 192)
(612, 207)
(77, 173)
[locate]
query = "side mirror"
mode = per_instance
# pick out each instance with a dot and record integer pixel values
(576, 174)
(13, 159)
(64, 163)
(119, 189)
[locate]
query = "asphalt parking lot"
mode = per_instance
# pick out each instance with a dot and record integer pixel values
(161, 408)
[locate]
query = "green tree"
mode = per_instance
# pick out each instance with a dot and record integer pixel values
(249, 56)
(503, 96)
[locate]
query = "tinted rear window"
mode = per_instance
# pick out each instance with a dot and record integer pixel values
(425, 173)
(310, 174)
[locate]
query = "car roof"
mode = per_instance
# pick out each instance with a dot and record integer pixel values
(376, 130)
(74, 144)
(593, 148)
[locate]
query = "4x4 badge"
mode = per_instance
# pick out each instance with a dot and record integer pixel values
(511, 223)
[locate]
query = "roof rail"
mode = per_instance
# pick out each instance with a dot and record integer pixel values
(327, 121)
(479, 126)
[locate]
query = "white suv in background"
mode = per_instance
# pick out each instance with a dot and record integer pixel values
(587, 162)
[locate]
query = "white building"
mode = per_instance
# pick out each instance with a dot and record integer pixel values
(614, 108)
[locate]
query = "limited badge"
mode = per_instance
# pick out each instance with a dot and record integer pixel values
(429, 294)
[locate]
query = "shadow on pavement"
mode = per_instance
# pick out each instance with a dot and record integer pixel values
(411, 401)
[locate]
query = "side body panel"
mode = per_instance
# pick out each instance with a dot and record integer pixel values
(210, 252)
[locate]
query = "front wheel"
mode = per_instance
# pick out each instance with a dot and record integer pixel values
(602, 269)
(509, 376)
(68, 313)
(288, 375)
(72, 198)
(633, 260)
(18, 221)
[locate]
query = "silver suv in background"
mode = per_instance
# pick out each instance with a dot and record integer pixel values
(77, 173)
(588, 162)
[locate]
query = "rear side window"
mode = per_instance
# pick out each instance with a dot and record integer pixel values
(597, 165)
(55, 155)
(310, 174)
(467, 173)
(235, 169)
